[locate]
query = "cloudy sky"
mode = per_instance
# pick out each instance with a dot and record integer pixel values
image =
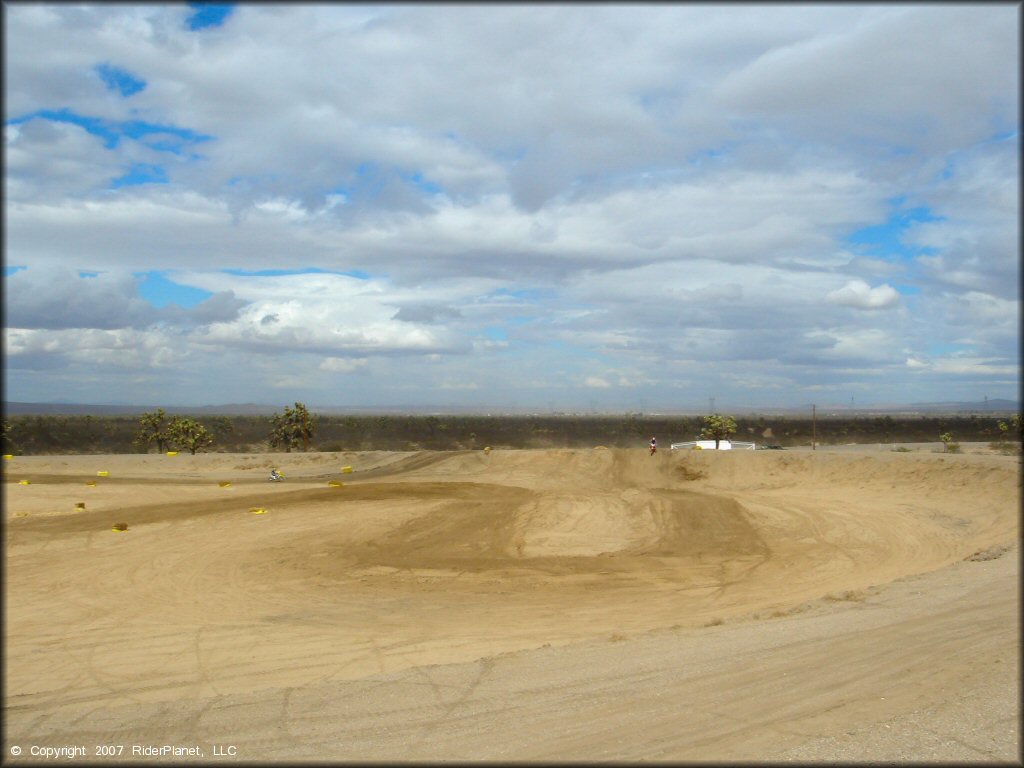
(549, 206)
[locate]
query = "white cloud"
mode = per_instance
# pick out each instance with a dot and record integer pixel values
(881, 77)
(860, 295)
(42, 156)
(859, 346)
(964, 366)
(662, 188)
(120, 349)
(324, 314)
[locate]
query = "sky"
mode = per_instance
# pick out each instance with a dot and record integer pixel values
(555, 207)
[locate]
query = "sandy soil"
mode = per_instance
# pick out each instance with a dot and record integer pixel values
(518, 605)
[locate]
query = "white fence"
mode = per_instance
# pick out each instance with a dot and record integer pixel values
(723, 445)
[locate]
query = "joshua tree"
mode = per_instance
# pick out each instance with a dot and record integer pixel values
(1015, 425)
(948, 445)
(153, 430)
(718, 427)
(189, 434)
(290, 427)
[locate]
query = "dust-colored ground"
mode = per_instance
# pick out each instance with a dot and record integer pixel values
(517, 605)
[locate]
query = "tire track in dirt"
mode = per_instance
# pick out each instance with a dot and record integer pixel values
(443, 558)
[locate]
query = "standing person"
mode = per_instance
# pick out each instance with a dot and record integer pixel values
(654, 445)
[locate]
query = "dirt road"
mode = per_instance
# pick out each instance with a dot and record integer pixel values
(517, 605)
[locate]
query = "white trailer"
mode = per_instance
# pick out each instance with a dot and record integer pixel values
(723, 445)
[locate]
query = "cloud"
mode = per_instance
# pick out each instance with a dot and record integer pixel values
(218, 308)
(59, 298)
(123, 349)
(879, 77)
(426, 313)
(42, 156)
(343, 365)
(860, 295)
(536, 196)
(965, 366)
(318, 313)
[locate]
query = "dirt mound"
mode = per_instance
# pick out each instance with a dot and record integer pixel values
(491, 526)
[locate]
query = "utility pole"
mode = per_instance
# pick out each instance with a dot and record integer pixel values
(814, 427)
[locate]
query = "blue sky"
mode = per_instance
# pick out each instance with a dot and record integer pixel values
(541, 206)
(205, 15)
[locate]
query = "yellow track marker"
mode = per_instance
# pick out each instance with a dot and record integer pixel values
(80, 506)
(8, 456)
(347, 470)
(172, 453)
(335, 484)
(91, 483)
(120, 527)
(258, 510)
(21, 514)
(103, 473)
(24, 482)
(224, 485)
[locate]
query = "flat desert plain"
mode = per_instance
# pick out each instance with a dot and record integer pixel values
(516, 605)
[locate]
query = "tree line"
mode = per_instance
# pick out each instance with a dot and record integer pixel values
(296, 428)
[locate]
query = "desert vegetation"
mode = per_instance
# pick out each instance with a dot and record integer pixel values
(297, 427)
(292, 428)
(718, 427)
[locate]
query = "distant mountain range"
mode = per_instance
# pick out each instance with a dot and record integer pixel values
(994, 407)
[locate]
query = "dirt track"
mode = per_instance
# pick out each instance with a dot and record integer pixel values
(530, 605)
